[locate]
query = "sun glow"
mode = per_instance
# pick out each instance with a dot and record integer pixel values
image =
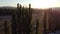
(43, 3)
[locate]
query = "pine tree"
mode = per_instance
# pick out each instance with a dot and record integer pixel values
(14, 22)
(5, 27)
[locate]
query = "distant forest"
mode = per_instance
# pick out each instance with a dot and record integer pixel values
(7, 11)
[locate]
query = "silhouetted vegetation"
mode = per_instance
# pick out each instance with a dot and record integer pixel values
(21, 20)
(24, 21)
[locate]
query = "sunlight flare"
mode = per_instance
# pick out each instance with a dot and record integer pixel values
(43, 3)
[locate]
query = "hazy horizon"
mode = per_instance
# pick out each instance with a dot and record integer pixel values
(34, 3)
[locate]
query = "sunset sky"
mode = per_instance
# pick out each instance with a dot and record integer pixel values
(34, 3)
